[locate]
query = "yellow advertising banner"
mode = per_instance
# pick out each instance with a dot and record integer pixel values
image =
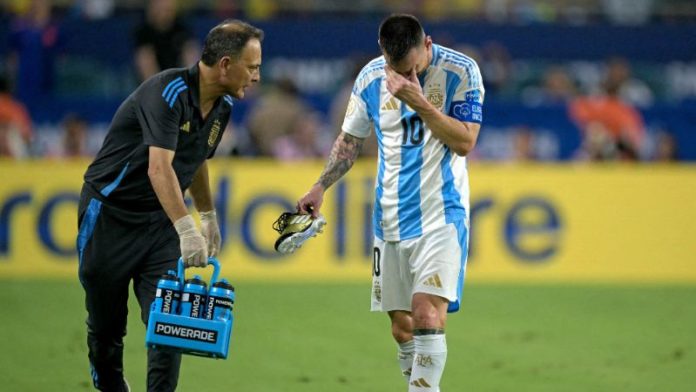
(629, 223)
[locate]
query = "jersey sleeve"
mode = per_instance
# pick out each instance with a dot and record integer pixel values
(159, 117)
(467, 102)
(357, 121)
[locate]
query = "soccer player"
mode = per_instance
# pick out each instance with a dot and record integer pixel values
(133, 223)
(425, 103)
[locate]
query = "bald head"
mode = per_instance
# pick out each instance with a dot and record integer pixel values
(228, 39)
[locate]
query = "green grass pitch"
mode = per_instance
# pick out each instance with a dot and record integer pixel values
(321, 337)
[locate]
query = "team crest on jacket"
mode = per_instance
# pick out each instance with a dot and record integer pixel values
(214, 132)
(435, 96)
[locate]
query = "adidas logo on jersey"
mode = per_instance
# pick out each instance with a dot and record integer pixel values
(186, 127)
(433, 280)
(421, 383)
(391, 104)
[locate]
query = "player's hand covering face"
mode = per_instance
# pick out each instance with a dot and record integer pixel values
(407, 89)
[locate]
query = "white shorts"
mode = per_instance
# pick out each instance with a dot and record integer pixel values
(434, 263)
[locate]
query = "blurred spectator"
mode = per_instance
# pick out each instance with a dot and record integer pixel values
(94, 9)
(163, 41)
(495, 67)
(303, 141)
(523, 145)
(665, 147)
(556, 88)
(274, 115)
(629, 12)
(34, 43)
(611, 128)
(16, 121)
(74, 137)
(11, 143)
(630, 89)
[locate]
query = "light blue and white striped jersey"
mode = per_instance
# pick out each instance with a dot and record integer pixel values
(421, 184)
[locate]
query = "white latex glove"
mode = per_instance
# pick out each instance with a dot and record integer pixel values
(211, 231)
(193, 246)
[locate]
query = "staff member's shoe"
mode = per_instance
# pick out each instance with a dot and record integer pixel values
(295, 229)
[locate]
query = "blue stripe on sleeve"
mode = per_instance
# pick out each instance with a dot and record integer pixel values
(176, 94)
(173, 84)
(172, 92)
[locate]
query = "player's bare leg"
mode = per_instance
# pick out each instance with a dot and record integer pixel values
(429, 316)
(402, 331)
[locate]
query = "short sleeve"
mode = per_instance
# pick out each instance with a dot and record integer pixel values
(159, 111)
(356, 122)
(467, 102)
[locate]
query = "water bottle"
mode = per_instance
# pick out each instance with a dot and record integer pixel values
(168, 294)
(220, 301)
(194, 297)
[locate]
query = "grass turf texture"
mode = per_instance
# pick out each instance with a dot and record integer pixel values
(321, 337)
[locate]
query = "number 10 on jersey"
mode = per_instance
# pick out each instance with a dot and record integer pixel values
(413, 130)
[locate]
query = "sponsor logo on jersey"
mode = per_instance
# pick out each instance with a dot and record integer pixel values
(473, 96)
(391, 104)
(433, 280)
(420, 383)
(186, 127)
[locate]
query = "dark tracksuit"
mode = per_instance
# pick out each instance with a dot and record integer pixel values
(124, 234)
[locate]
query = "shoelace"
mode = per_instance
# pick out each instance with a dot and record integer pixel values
(282, 222)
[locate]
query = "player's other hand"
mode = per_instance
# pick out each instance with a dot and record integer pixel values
(211, 231)
(194, 250)
(310, 203)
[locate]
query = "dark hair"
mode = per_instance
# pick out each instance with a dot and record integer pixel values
(398, 34)
(228, 39)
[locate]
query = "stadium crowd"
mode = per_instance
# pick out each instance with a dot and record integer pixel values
(603, 99)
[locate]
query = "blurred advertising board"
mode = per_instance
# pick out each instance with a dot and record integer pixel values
(530, 223)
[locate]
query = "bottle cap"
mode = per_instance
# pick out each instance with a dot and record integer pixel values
(197, 280)
(223, 284)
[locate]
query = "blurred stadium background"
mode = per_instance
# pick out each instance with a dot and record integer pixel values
(582, 273)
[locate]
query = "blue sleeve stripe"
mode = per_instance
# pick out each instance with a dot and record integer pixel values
(172, 91)
(228, 99)
(172, 85)
(463, 61)
(176, 94)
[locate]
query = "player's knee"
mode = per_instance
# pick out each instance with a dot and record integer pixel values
(427, 316)
(401, 333)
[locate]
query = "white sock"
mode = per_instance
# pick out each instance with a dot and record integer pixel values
(429, 362)
(406, 353)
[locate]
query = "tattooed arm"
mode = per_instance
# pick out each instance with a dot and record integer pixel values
(344, 152)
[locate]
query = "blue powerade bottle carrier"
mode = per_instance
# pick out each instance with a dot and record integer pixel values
(192, 335)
